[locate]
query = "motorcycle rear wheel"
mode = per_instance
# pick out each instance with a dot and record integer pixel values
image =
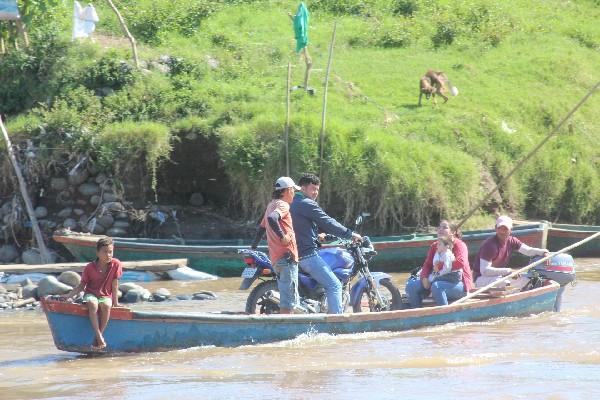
(388, 291)
(259, 303)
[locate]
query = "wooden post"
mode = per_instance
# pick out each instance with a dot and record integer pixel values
(127, 33)
(287, 120)
(45, 256)
(323, 115)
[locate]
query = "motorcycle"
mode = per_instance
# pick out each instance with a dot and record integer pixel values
(370, 291)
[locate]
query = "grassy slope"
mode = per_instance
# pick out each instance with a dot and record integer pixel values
(530, 80)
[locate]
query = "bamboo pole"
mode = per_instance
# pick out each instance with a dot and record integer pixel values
(323, 115)
(45, 256)
(127, 33)
(530, 154)
(287, 120)
(525, 268)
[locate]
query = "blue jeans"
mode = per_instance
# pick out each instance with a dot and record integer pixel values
(441, 291)
(320, 271)
(287, 283)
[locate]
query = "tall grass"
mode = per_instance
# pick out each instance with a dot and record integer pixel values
(519, 66)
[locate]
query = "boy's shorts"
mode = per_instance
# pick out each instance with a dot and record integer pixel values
(90, 298)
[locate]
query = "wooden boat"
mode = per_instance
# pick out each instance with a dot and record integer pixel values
(563, 235)
(135, 331)
(220, 257)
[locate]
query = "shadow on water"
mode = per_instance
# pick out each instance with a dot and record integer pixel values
(39, 360)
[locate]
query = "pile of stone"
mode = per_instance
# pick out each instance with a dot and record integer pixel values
(26, 294)
(90, 203)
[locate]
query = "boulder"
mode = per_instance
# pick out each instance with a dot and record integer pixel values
(50, 286)
(77, 177)
(136, 295)
(183, 297)
(114, 206)
(126, 287)
(65, 212)
(30, 291)
(196, 199)
(89, 189)
(161, 294)
(32, 256)
(78, 212)
(70, 278)
(40, 212)
(3, 289)
(8, 253)
(116, 232)
(95, 200)
(110, 197)
(122, 215)
(58, 184)
(106, 220)
(70, 223)
(64, 198)
(121, 224)
(204, 296)
(100, 179)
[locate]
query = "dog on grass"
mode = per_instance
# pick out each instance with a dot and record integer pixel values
(435, 82)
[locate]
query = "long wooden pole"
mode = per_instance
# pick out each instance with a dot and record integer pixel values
(287, 120)
(127, 33)
(530, 154)
(525, 268)
(323, 115)
(45, 256)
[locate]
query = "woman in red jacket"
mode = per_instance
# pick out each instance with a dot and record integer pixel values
(442, 291)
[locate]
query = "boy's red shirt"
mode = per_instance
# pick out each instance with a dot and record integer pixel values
(101, 285)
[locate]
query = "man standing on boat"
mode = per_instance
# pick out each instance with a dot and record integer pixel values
(100, 284)
(277, 223)
(495, 253)
(308, 219)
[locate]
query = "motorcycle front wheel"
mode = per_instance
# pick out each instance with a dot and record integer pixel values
(391, 297)
(259, 303)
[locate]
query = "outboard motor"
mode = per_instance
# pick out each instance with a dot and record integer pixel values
(560, 268)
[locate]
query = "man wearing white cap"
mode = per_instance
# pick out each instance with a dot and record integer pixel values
(495, 253)
(277, 223)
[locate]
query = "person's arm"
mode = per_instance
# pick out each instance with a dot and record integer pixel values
(461, 256)
(75, 291)
(327, 224)
(532, 251)
(115, 292)
(427, 267)
(486, 269)
(273, 221)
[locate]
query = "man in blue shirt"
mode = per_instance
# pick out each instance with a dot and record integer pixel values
(308, 218)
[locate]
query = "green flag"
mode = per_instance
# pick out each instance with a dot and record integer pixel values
(301, 27)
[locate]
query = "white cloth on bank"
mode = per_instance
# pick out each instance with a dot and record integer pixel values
(84, 20)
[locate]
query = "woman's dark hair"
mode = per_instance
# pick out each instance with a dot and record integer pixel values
(277, 194)
(102, 242)
(447, 242)
(454, 229)
(308, 179)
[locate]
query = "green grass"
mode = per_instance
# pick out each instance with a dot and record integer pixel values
(520, 63)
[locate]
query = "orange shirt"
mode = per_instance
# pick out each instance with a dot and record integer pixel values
(278, 250)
